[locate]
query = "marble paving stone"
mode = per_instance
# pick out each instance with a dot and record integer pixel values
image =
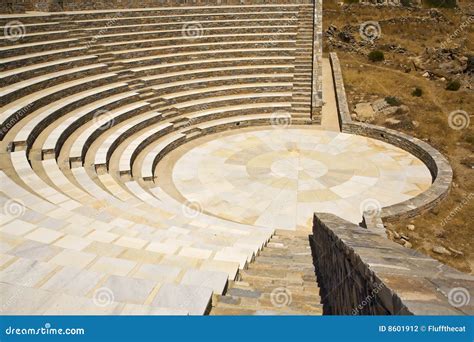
(129, 290)
(69, 257)
(114, 266)
(17, 227)
(215, 280)
(44, 235)
(194, 299)
(159, 273)
(73, 281)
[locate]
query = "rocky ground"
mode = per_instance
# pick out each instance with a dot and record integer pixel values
(423, 87)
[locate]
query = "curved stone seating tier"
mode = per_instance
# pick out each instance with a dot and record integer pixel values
(185, 11)
(20, 60)
(139, 57)
(44, 66)
(46, 115)
(12, 112)
(14, 50)
(217, 82)
(127, 28)
(204, 63)
(129, 154)
(66, 126)
(194, 105)
(113, 117)
(215, 72)
(207, 32)
(102, 156)
(157, 153)
(37, 82)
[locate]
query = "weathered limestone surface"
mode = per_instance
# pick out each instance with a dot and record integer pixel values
(363, 273)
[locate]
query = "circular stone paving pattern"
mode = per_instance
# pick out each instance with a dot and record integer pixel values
(279, 177)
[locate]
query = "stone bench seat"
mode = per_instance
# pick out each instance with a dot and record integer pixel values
(45, 65)
(19, 105)
(107, 147)
(177, 31)
(42, 54)
(45, 115)
(100, 125)
(66, 125)
(151, 158)
(203, 92)
(222, 80)
(29, 83)
(204, 64)
(214, 72)
(40, 34)
(208, 57)
(129, 154)
(217, 39)
(20, 49)
(166, 12)
(241, 108)
(139, 25)
(227, 98)
(212, 125)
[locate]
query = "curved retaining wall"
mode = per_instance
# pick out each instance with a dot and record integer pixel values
(438, 165)
(361, 272)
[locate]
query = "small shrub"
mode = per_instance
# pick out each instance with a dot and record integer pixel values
(393, 101)
(440, 3)
(453, 85)
(468, 137)
(376, 56)
(418, 92)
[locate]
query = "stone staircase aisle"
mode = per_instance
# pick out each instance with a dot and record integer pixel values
(281, 281)
(301, 100)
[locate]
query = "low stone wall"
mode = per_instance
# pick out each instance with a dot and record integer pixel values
(363, 273)
(438, 165)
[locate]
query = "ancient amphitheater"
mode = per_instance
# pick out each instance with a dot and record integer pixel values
(170, 159)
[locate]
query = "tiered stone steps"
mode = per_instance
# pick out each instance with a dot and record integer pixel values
(301, 100)
(281, 280)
